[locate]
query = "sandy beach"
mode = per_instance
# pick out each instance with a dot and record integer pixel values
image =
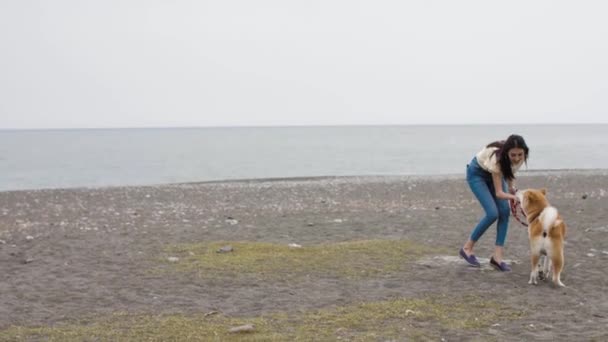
(73, 257)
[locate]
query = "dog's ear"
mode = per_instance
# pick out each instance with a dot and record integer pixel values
(543, 191)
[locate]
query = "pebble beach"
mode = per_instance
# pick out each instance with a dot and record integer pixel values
(66, 254)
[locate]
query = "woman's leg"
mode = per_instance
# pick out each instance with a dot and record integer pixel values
(480, 183)
(484, 193)
(502, 226)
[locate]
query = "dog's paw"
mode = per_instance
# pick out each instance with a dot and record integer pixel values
(533, 278)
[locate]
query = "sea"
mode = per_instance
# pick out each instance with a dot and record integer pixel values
(75, 158)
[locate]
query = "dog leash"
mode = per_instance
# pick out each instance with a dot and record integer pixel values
(514, 206)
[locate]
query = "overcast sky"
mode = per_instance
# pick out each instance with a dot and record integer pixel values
(142, 63)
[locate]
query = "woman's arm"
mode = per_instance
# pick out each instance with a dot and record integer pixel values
(511, 187)
(497, 180)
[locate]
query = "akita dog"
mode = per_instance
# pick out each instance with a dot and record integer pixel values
(546, 231)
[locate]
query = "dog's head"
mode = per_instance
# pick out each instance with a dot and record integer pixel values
(532, 200)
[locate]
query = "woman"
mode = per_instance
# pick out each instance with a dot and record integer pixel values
(489, 175)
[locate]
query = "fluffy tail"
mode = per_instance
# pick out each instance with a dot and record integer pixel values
(550, 218)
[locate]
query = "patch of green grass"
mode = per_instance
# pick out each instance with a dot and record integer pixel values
(426, 318)
(266, 260)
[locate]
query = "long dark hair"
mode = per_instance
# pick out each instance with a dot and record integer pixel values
(502, 154)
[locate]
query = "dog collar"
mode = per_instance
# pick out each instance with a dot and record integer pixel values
(534, 217)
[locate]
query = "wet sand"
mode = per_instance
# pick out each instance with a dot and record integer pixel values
(68, 253)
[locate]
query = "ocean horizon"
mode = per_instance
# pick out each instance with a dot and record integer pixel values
(99, 157)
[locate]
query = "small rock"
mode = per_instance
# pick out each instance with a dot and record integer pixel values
(294, 245)
(225, 249)
(2, 242)
(584, 196)
(338, 221)
(29, 238)
(310, 224)
(173, 259)
(242, 329)
(211, 313)
(231, 221)
(437, 208)
(591, 255)
(28, 260)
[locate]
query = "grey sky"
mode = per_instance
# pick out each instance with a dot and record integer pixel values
(130, 63)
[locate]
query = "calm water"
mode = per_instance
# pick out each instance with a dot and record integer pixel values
(91, 158)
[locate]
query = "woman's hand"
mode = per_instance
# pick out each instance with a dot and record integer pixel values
(512, 191)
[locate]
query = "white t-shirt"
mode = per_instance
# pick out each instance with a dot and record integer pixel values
(486, 158)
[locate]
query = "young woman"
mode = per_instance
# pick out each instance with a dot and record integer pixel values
(491, 176)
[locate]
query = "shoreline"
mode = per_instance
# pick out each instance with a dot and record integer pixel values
(334, 178)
